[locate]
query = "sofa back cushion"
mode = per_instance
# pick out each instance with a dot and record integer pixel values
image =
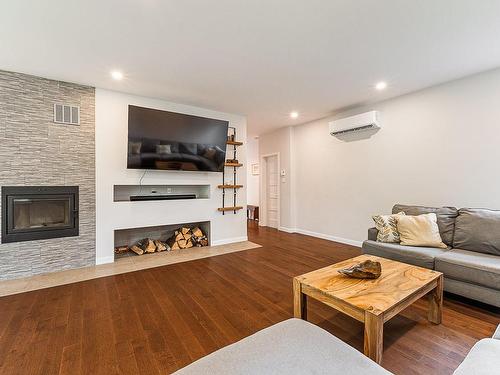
(478, 229)
(445, 218)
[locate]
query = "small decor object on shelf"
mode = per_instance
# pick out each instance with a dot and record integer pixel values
(364, 270)
(231, 137)
(232, 161)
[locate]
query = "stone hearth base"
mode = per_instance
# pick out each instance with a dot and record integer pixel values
(128, 264)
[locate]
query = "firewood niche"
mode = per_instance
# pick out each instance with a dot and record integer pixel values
(184, 237)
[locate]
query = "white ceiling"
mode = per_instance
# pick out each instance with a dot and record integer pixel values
(260, 58)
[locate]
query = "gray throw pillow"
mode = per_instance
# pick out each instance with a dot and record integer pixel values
(478, 229)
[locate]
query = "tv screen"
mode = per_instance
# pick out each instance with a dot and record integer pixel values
(175, 141)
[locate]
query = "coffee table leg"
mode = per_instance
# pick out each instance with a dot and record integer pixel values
(299, 301)
(374, 336)
(436, 302)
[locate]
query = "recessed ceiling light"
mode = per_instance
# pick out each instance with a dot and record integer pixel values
(117, 75)
(294, 114)
(381, 85)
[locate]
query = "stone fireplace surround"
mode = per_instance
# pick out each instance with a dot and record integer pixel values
(34, 151)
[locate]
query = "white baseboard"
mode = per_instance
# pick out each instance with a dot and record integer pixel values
(225, 241)
(328, 237)
(288, 230)
(104, 260)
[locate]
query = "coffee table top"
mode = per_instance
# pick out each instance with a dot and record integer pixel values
(397, 283)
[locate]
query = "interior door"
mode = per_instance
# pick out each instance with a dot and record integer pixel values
(272, 191)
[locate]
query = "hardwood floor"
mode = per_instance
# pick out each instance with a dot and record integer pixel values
(157, 320)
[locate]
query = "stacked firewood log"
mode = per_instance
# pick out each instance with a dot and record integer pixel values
(147, 245)
(183, 238)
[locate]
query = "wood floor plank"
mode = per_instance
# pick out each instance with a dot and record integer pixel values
(157, 320)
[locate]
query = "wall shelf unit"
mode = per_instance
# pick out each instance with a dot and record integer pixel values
(234, 208)
(140, 193)
(231, 185)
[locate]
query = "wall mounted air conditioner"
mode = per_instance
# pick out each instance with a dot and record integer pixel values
(359, 123)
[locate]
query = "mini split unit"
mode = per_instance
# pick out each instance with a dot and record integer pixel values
(359, 123)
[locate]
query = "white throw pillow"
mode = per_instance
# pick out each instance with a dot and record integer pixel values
(163, 149)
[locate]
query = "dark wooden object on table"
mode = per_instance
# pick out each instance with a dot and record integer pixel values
(364, 270)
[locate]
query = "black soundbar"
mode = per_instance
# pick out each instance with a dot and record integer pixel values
(158, 197)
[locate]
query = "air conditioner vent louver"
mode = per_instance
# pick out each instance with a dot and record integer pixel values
(354, 124)
(66, 114)
(361, 128)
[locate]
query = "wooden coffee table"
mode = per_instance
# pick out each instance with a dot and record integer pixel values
(372, 301)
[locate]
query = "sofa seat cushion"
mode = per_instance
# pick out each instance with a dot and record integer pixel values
(477, 268)
(483, 359)
(293, 346)
(476, 292)
(478, 230)
(416, 255)
(445, 218)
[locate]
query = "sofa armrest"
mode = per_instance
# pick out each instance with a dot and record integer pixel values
(496, 335)
(372, 234)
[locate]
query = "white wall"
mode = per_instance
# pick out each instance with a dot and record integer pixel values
(437, 147)
(111, 169)
(252, 181)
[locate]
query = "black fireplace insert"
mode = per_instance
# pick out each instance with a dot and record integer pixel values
(39, 212)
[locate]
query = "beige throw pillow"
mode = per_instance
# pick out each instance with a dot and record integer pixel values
(387, 227)
(421, 230)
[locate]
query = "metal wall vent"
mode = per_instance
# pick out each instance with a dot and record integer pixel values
(66, 114)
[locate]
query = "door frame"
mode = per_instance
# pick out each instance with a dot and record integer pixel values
(263, 188)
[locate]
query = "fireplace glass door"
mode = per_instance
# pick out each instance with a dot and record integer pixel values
(30, 213)
(40, 212)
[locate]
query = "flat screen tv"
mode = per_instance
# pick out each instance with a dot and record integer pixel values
(175, 141)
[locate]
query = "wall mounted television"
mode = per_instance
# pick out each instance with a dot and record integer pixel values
(175, 141)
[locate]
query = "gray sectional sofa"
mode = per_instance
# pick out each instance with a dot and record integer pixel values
(295, 346)
(470, 264)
